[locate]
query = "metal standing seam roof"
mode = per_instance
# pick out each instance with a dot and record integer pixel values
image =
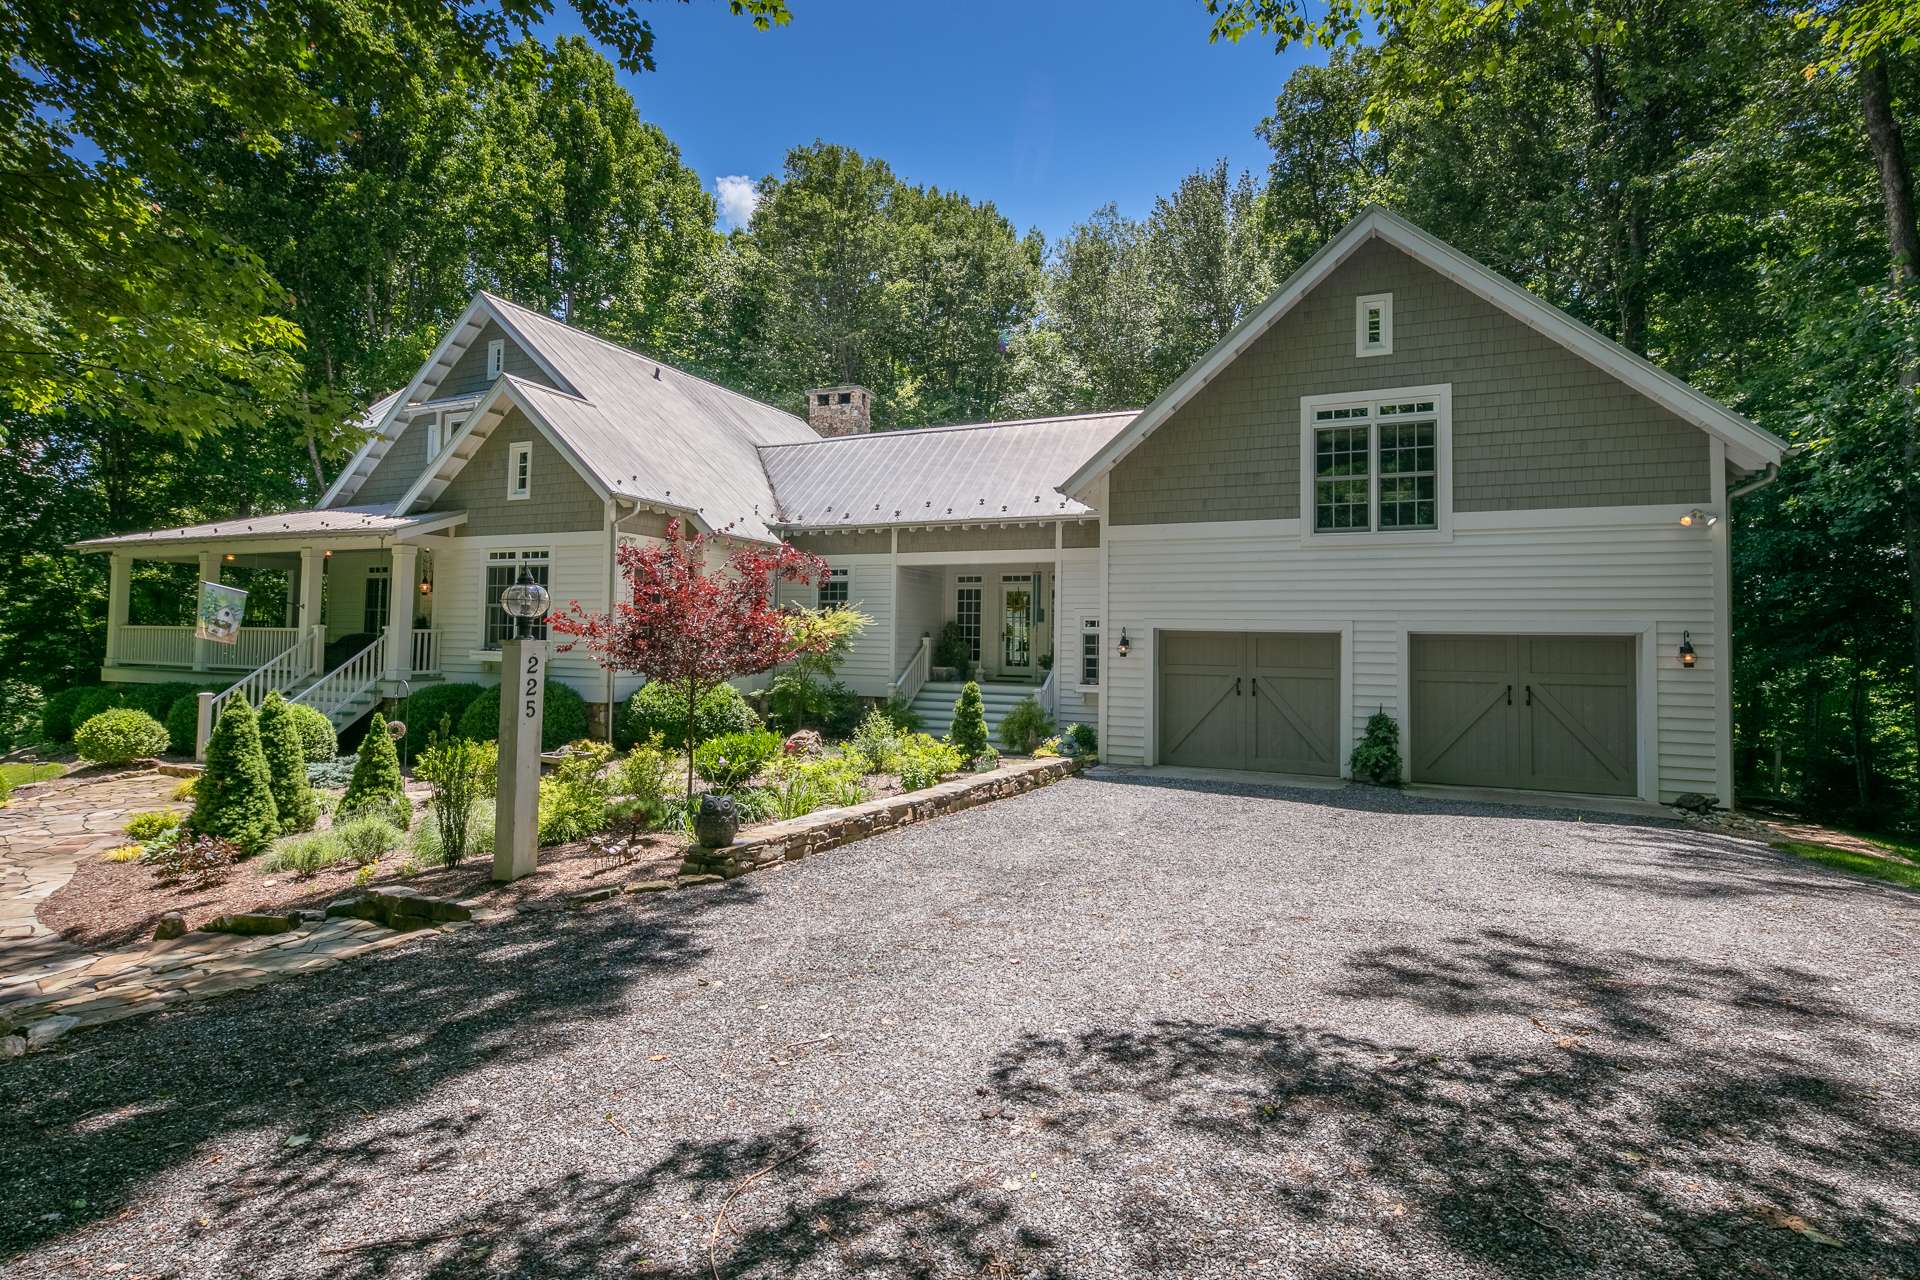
(980, 472)
(286, 524)
(653, 433)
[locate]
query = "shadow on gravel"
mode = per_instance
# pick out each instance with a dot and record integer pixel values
(1684, 863)
(83, 1127)
(1630, 1140)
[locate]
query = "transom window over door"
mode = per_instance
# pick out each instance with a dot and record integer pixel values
(1377, 464)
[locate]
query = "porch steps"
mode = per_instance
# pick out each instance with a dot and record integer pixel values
(934, 704)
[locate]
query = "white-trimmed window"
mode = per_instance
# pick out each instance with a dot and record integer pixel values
(1373, 325)
(1377, 464)
(503, 570)
(1090, 651)
(967, 603)
(520, 469)
(496, 357)
(434, 437)
(376, 599)
(833, 589)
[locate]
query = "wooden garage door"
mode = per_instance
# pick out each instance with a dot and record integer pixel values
(1230, 700)
(1553, 713)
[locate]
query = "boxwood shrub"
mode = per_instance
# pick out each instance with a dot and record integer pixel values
(425, 708)
(660, 708)
(119, 735)
(565, 717)
(56, 714)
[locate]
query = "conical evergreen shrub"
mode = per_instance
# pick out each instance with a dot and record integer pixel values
(287, 765)
(234, 797)
(376, 780)
(969, 731)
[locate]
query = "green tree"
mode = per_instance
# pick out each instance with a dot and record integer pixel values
(293, 796)
(968, 733)
(234, 798)
(579, 208)
(376, 783)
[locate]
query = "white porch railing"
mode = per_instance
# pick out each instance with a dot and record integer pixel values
(290, 667)
(1048, 695)
(914, 674)
(341, 688)
(154, 646)
(252, 648)
(426, 651)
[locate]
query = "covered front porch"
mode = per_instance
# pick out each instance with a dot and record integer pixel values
(339, 612)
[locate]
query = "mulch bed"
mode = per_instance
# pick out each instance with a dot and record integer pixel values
(111, 904)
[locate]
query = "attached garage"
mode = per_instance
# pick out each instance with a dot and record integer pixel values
(1237, 700)
(1548, 713)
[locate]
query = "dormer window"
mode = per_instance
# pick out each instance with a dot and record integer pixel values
(1373, 325)
(496, 357)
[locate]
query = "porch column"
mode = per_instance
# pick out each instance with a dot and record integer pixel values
(313, 568)
(400, 611)
(119, 585)
(209, 572)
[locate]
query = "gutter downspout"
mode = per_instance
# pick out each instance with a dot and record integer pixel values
(1759, 482)
(613, 579)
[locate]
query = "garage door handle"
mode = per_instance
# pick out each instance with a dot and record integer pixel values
(1509, 695)
(1254, 686)
(1236, 686)
(1529, 695)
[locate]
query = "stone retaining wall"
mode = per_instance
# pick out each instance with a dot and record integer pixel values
(790, 841)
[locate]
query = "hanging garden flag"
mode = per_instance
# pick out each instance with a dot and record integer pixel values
(219, 614)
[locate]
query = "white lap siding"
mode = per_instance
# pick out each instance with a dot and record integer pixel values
(919, 610)
(1630, 570)
(868, 668)
(577, 571)
(1077, 596)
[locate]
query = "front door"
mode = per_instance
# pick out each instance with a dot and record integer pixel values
(1016, 625)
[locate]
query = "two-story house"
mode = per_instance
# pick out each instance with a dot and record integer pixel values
(1403, 485)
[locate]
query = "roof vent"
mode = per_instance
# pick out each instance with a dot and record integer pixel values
(840, 411)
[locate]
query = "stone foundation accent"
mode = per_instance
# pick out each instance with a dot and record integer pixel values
(761, 847)
(399, 908)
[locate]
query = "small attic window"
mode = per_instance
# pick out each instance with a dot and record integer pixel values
(1373, 325)
(496, 357)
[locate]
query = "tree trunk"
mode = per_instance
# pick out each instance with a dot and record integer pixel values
(1862, 740)
(1903, 247)
(693, 700)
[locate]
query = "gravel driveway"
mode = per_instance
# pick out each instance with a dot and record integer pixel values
(1107, 1028)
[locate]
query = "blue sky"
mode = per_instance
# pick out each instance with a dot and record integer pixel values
(1049, 108)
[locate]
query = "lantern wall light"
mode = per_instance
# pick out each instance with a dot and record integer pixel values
(1699, 517)
(1125, 646)
(1686, 649)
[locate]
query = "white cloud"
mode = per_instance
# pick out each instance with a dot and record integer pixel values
(738, 199)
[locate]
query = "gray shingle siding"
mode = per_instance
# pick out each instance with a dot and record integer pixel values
(1534, 426)
(399, 468)
(872, 542)
(1083, 534)
(561, 500)
(469, 374)
(1017, 538)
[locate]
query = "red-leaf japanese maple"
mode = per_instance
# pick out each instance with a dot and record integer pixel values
(695, 625)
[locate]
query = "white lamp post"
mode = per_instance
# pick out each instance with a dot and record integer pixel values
(523, 690)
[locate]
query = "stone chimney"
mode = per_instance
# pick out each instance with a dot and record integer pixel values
(840, 411)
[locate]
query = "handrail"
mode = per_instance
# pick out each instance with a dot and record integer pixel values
(1048, 695)
(280, 672)
(340, 686)
(914, 675)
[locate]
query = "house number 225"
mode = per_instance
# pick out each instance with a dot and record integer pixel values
(532, 702)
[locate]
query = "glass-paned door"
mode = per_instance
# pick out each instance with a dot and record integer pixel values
(966, 611)
(1016, 631)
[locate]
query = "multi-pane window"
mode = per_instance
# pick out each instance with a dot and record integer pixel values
(503, 570)
(833, 589)
(966, 612)
(1373, 325)
(1090, 651)
(1342, 477)
(1376, 467)
(496, 357)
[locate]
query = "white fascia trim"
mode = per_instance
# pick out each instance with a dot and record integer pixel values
(1750, 446)
(499, 313)
(488, 411)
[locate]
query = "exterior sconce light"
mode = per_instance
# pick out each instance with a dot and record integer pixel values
(1125, 647)
(1697, 516)
(426, 587)
(229, 557)
(327, 554)
(1686, 649)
